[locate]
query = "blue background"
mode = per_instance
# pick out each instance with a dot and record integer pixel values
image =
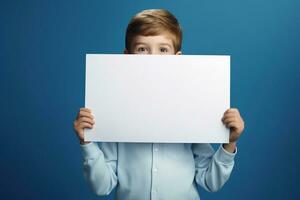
(43, 46)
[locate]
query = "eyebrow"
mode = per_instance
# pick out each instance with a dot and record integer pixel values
(138, 43)
(167, 44)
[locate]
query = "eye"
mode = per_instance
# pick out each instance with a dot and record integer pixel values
(142, 49)
(163, 50)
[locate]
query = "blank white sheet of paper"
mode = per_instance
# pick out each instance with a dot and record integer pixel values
(157, 98)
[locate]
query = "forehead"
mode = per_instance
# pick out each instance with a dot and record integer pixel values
(153, 40)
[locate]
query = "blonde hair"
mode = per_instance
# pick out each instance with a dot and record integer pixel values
(154, 22)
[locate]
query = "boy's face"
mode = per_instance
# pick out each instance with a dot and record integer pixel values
(160, 44)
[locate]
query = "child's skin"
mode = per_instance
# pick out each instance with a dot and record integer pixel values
(162, 45)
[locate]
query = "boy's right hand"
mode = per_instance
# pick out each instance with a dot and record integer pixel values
(84, 119)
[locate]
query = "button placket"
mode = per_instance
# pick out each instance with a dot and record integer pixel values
(154, 172)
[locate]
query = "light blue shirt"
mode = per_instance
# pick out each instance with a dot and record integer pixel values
(165, 171)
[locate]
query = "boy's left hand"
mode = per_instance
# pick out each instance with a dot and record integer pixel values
(233, 120)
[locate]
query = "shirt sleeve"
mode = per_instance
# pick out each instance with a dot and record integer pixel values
(212, 168)
(99, 166)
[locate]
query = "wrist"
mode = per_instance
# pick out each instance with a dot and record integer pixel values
(230, 147)
(82, 142)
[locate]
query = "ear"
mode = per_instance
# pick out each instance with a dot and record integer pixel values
(126, 51)
(178, 53)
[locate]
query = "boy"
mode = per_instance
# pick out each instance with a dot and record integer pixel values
(156, 170)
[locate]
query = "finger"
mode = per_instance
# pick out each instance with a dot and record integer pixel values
(85, 125)
(86, 119)
(229, 115)
(85, 114)
(86, 109)
(229, 119)
(233, 125)
(231, 110)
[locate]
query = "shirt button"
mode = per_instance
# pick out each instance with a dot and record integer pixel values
(155, 169)
(156, 149)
